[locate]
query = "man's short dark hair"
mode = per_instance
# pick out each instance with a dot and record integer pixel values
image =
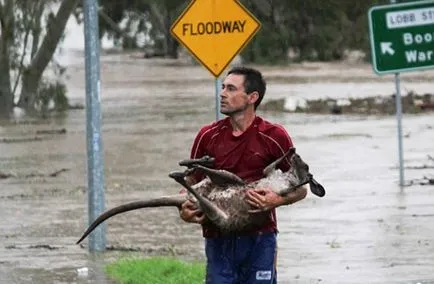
(253, 81)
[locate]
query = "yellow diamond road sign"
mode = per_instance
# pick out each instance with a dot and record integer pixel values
(215, 31)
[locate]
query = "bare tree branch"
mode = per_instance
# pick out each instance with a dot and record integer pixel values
(264, 7)
(2, 19)
(159, 16)
(28, 27)
(36, 28)
(55, 29)
(1, 10)
(33, 73)
(6, 38)
(112, 24)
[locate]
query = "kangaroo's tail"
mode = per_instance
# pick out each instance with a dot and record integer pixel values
(174, 200)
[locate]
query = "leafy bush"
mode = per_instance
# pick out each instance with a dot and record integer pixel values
(51, 96)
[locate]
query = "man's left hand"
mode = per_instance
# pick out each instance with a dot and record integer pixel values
(263, 199)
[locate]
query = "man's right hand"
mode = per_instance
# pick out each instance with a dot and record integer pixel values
(190, 213)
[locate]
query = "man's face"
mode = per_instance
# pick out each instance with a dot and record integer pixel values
(234, 98)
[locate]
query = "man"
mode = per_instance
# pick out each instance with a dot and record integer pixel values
(244, 144)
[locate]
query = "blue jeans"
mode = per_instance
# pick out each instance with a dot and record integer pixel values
(241, 259)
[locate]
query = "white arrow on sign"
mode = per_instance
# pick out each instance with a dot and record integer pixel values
(386, 47)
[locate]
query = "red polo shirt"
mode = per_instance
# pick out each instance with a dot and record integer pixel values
(245, 155)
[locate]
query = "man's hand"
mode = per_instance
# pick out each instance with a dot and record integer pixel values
(190, 213)
(265, 199)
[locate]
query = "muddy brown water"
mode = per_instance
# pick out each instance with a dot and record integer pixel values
(366, 230)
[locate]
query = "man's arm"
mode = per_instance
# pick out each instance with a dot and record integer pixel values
(189, 211)
(265, 199)
(298, 194)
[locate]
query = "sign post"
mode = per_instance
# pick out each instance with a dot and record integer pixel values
(402, 39)
(218, 84)
(95, 168)
(215, 31)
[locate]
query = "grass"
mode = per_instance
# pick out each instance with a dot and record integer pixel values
(157, 270)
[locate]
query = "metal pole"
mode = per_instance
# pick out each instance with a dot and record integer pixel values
(398, 102)
(95, 169)
(399, 120)
(218, 85)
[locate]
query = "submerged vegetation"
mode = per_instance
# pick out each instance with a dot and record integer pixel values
(375, 105)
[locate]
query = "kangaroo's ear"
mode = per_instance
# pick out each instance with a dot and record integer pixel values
(316, 188)
(271, 167)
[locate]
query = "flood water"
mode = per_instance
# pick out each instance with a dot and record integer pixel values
(365, 230)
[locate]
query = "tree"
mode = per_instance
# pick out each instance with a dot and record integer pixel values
(21, 23)
(154, 18)
(310, 29)
(6, 42)
(162, 14)
(270, 45)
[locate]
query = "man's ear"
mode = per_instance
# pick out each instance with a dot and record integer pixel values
(253, 97)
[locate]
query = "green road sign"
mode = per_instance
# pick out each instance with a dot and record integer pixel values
(402, 37)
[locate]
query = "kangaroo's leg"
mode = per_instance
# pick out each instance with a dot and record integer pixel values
(221, 177)
(212, 212)
(205, 161)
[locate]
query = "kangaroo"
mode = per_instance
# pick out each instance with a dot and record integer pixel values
(221, 195)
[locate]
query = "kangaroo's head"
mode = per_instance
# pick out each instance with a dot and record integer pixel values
(298, 174)
(301, 175)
